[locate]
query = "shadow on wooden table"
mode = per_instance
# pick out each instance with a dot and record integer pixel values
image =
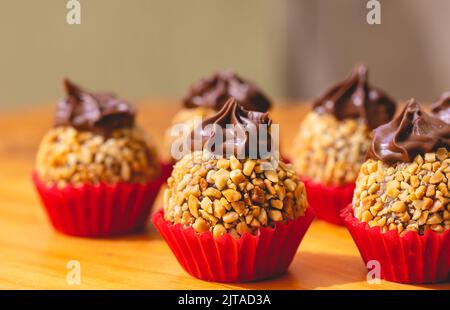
(311, 270)
(147, 234)
(437, 286)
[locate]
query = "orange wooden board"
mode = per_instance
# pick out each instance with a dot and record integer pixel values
(34, 256)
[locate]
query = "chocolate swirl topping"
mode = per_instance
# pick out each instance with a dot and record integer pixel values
(441, 108)
(413, 132)
(212, 92)
(355, 98)
(236, 139)
(101, 113)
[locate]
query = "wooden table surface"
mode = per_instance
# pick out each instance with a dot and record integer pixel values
(34, 256)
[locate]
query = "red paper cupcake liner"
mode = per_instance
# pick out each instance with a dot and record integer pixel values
(98, 210)
(226, 259)
(328, 201)
(411, 258)
(166, 169)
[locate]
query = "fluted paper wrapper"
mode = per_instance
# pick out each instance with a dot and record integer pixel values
(328, 201)
(225, 259)
(98, 210)
(411, 258)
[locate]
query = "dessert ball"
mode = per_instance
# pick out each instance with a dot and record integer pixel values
(232, 201)
(334, 137)
(95, 140)
(404, 184)
(208, 95)
(227, 195)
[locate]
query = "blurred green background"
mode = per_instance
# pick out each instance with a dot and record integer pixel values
(138, 48)
(157, 48)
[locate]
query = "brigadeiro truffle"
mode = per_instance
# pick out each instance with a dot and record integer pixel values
(208, 95)
(333, 139)
(228, 219)
(400, 215)
(95, 171)
(441, 108)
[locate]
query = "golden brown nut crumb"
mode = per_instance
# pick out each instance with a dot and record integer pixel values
(242, 201)
(406, 196)
(330, 151)
(68, 156)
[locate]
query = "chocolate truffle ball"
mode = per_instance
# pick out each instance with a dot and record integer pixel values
(95, 140)
(404, 184)
(223, 194)
(334, 137)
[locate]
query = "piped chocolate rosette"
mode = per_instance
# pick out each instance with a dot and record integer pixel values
(214, 91)
(215, 201)
(400, 214)
(93, 112)
(354, 98)
(235, 130)
(208, 95)
(333, 140)
(93, 153)
(95, 140)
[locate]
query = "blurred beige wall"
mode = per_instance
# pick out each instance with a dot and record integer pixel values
(157, 48)
(408, 54)
(137, 48)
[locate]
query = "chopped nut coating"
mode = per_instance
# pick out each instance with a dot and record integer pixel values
(409, 196)
(242, 201)
(330, 151)
(69, 156)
